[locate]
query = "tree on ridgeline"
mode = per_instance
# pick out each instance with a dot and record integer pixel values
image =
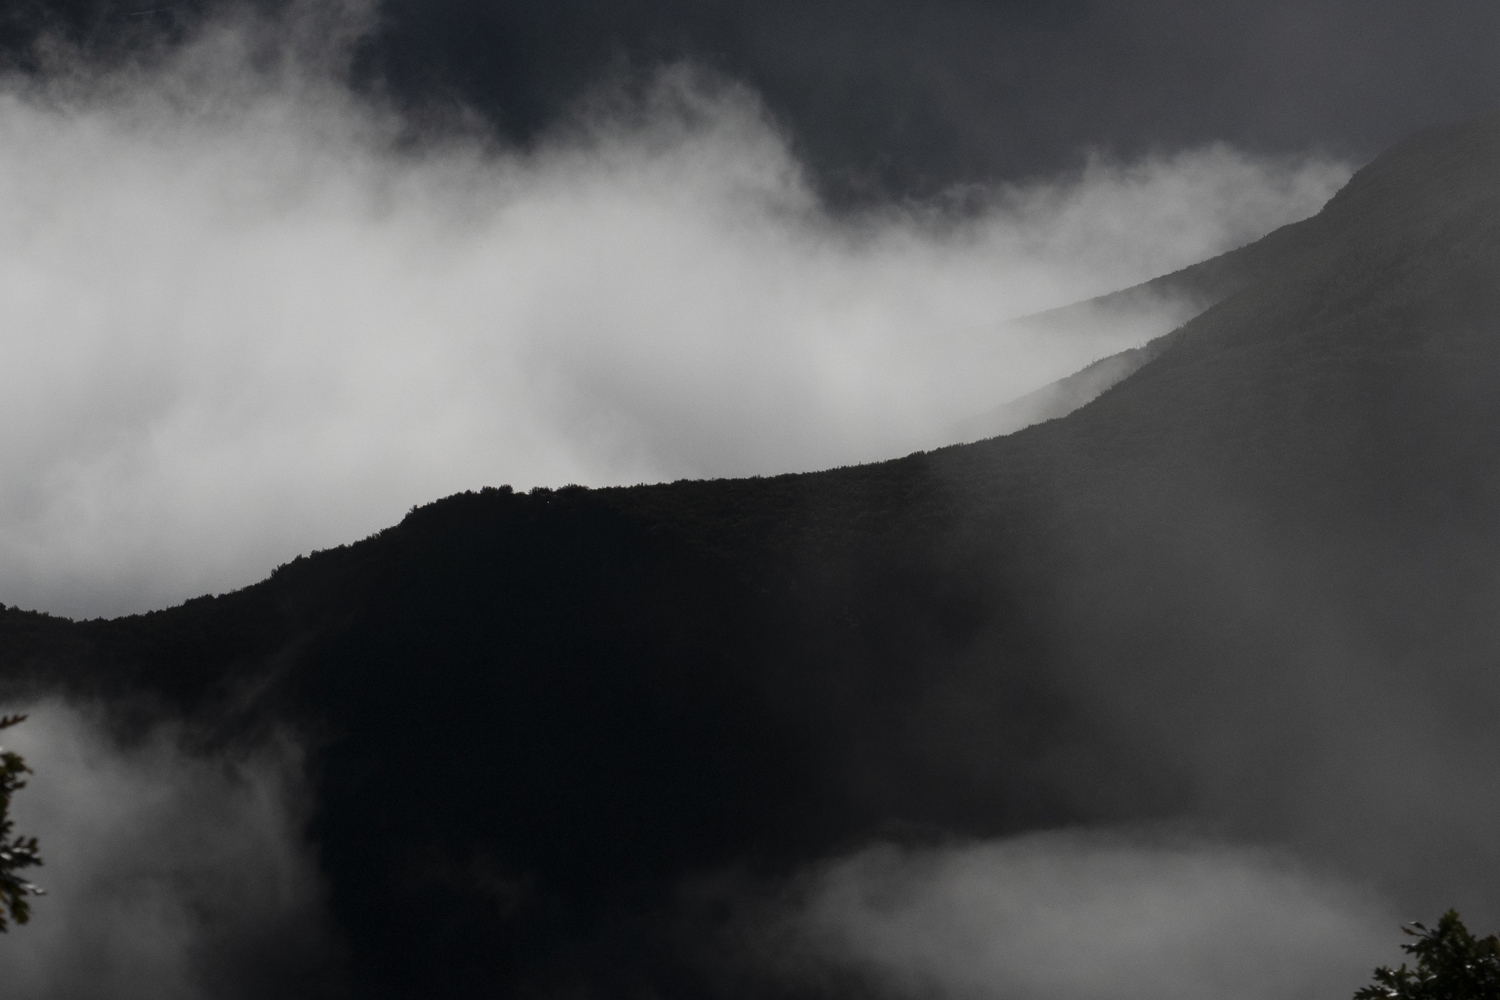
(16, 853)
(1451, 964)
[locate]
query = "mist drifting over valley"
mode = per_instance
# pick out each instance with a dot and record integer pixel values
(247, 320)
(1185, 694)
(169, 873)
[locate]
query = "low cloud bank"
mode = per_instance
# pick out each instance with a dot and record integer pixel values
(1085, 916)
(169, 876)
(247, 317)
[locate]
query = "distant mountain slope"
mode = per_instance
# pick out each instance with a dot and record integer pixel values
(1057, 399)
(1188, 292)
(1151, 310)
(1251, 588)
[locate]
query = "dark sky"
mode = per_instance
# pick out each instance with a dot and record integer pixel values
(891, 97)
(910, 94)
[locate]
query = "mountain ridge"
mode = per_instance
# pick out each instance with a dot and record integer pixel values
(1254, 578)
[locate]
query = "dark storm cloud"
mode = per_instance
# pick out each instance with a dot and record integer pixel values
(900, 96)
(907, 96)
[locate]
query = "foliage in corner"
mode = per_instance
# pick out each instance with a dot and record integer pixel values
(1451, 964)
(16, 853)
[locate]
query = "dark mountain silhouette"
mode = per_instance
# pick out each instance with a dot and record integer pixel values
(564, 739)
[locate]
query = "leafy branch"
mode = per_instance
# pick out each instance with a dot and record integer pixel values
(16, 853)
(1451, 964)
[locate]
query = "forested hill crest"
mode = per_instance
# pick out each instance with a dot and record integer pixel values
(1433, 186)
(1109, 617)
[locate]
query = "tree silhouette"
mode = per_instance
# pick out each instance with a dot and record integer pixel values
(16, 853)
(1451, 964)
